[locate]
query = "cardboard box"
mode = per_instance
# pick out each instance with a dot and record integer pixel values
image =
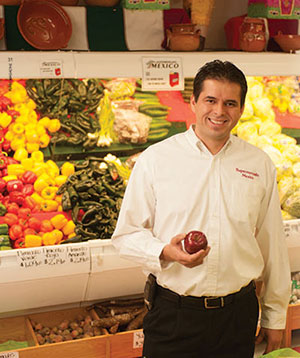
(274, 9)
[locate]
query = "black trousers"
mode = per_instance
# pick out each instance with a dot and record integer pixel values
(173, 330)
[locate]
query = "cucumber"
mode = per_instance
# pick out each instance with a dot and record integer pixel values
(159, 124)
(3, 229)
(157, 134)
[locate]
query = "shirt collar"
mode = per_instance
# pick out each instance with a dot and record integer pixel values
(199, 145)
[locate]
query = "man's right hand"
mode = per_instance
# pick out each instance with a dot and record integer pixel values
(174, 252)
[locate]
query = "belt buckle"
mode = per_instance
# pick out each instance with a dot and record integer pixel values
(207, 299)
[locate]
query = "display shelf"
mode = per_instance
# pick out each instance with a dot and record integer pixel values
(73, 64)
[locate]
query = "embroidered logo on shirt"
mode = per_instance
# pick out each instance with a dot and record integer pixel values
(247, 174)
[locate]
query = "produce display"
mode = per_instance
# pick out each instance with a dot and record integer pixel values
(67, 330)
(120, 314)
(80, 199)
(259, 127)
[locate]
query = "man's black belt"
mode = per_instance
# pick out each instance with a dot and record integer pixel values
(204, 302)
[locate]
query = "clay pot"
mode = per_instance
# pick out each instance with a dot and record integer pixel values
(44, 24)
(252, 35)
(10, 2)
(67, 2)
(104, 3)
(183, 37)
(288, 43)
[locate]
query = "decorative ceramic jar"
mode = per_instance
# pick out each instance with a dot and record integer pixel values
(252, 34)
(184, 37)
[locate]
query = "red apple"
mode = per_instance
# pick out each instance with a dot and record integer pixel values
(195, 241)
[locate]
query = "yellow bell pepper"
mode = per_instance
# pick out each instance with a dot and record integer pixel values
(67, 169)
(68, 228)
(60, 180)
(58, 235)
(37, 198)
(44, 122)
(9, 177)
(15, 169)
(71, 235)
(40, 184)
(49, 205)
(49, 192)
(5, 120)
(48, 178)
(32, 147)
(33, 241)
(58, 198)
(18, 128)
(53, 168)
(54, 125)
(59, 221)
(40, 129)
(31, 104)
(44, 140)
(27, 163)
(32, 136)
(20, 154)
(39, 168)
(9, 135)
(38, 156)
(48, 239)
(17, 143)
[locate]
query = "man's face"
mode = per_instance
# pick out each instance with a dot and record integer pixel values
(217, 110)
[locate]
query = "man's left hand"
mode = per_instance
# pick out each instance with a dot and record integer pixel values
(272, 336)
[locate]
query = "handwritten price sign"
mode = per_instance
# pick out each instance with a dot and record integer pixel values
(138, 339)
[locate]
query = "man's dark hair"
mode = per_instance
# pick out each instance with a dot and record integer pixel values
(219, 70)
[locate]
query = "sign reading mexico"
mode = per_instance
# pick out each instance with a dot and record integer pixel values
(162, 74)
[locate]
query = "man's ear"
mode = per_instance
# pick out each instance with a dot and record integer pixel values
(193, 103)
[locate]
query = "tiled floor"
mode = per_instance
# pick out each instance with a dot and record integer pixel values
(295, 343)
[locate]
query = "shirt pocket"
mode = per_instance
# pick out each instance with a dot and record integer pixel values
(245, 202)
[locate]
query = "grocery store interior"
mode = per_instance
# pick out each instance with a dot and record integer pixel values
(79, 101)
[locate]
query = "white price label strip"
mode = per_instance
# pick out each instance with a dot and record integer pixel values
(138, 339)
(78, 254)
(9, 355)
(30, 258)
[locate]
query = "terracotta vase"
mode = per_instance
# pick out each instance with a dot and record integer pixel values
(252, 35)
(183, 37)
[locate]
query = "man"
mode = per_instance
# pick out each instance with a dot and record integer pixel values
(206, 179)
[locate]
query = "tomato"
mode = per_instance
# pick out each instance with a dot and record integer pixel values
(46, 226)
(34, 224)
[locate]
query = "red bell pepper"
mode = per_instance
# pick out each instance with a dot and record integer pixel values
(11, 160)
(5, 102)
(15, 231)
(12, 208)
(34, 224)
(28, 189)
(2, 185)
(19, 243)
(14, 185)
(24, 213)
(10, 219)
(3, 161)
(29, 177)
(16, 197)
(30, 203)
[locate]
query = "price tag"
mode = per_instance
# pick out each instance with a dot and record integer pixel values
(162, 73)
(77, 254)
(10, 67)
(55, 255)
(30, 258)
(9, 355)
(138, 339)
(51, 68)
(292, 227)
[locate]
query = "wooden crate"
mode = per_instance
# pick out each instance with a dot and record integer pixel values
(93, 347)
(292, 322)
(126, 344)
